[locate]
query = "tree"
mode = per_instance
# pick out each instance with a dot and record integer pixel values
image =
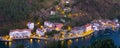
(52, 33)
(15, 10)
(103, 43)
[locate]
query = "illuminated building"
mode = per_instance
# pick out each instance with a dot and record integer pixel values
(77, 30)
(40, 32)
(52, 12)
(88, 27)
(20, 33)
(48, 24)
(30, 25)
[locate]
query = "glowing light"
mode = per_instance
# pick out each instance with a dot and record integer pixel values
(38, 23)
(69, 42)
(38, 41)
(58, 8)
(70, 35)
(62, 12)
(41, 27)
(62, 33)
(87, 33)
(62, 36)
(31, 40)
(113, 27)
(57, 29)
(30, 25)
(39, 35)
(62, 43)
(77, 35)
(50, 26)
(76, 40)
(9, 39)
(76, 14)
(69, 28)
(67, 2)
(5, 43)
(69, 14)
(82, 38)
(45, 42)
(10, 43)
(46, 36)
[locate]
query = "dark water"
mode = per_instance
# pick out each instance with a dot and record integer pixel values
(34, 43)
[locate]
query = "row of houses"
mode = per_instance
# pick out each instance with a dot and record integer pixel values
(23, 33)
(96, 25)
(20, 33)
(48, 27)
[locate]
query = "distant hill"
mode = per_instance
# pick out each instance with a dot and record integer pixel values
(96, 9)
(116, 0)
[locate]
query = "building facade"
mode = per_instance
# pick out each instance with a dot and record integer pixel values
(20, 33)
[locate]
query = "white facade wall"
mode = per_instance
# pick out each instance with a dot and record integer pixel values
(30, 25)
(20, 33)
(48, 24)
(40, 32)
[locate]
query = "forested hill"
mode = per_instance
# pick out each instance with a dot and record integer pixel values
(97, 9)
(100, 8)
(24, 10)
(16, 13)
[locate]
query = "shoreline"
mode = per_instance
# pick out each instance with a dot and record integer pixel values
(42, 38)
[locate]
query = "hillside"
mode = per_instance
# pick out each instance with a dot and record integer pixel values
(96, 9)
(16, 13)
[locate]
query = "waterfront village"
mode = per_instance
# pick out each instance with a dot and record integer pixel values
(62, 34)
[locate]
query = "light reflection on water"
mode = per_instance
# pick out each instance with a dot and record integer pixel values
(35, 43)
(31, 40)
(62, 42)
(5, 43)
(76, 40)
(10, 43)
(38, 41)
(69, 43)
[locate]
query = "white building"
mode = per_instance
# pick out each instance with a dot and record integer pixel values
(52, 12)
(88, 27)
(78, 30)
(116, 20)
(48, 24)
(56, 26)
(30, 25)
(96, 26)
(40, 32)
(20, 33)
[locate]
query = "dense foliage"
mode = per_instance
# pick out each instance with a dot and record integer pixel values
(16, 13)
(52, 33)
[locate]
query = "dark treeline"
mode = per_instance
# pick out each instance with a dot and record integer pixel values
(22, 10)
(96, 9)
